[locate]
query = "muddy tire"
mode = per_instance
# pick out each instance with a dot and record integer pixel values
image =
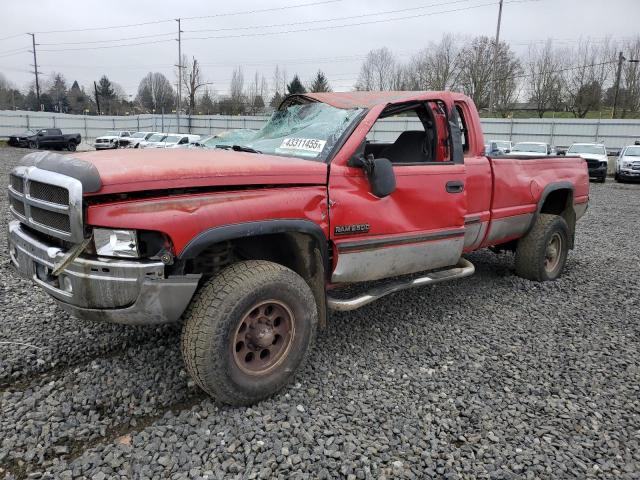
(248, 331)
(542, 253)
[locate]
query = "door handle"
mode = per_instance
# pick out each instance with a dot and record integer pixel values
(455, 186)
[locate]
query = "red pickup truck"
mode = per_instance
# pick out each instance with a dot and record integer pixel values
(251, 244)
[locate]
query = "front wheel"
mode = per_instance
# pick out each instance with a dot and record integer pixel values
(542, 253)
(33, 145)
(248, 331)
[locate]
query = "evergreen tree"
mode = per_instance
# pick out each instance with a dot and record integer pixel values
(106, 94)
(58, 93)
(205, 105)
(320, 83)
(296, 86)
(276, 100)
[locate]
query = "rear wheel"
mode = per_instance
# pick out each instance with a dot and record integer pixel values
(71, 146)
(542, 253)
(248, 331)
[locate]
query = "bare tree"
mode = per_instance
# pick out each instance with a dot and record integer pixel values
(630, 78)
(236, 92)
(191, 80)
(507, 79)
(584, 81)
(155, 93)
(436, 67)
(378, 71)
(544, 77)
(476, 63)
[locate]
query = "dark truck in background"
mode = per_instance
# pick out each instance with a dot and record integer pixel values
(46, 138)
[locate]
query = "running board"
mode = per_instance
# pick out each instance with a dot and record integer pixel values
(464, 268)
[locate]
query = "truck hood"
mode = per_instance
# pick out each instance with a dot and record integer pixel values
(134, 170)
(591, 156)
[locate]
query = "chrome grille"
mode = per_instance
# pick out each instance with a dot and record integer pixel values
(48, 202)
(17, 183)
(58, 221)
(49, 193)
(17, 205)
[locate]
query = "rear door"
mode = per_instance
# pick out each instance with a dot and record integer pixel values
(420, 226)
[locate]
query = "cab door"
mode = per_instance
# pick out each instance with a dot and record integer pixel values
(420, 226)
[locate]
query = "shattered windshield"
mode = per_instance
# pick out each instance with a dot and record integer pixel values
(305, 131)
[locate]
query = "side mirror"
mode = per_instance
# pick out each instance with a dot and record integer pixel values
(507, 150)
(40, 134)
(379, 172)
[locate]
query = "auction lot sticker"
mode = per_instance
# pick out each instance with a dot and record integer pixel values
(306, 144)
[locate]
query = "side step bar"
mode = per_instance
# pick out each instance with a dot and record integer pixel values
(464, 268)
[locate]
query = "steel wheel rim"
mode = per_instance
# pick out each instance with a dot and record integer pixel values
(553, 253)
(263, 337)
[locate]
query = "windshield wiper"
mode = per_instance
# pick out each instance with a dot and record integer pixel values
(238, 148)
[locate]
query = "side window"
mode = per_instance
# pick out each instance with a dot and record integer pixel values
(462, 124)
(408, 134)
(183, 141)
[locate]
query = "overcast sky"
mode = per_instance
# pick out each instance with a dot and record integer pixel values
(308, 46)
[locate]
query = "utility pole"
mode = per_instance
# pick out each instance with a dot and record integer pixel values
(179, 89)
(95, 89)
(621, 60)
(495, 58)
(35, 66)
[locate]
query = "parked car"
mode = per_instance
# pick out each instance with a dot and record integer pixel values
(54, 138)
(531, 149)
(111, 139)
(134, 140)
(240, 136)
(628, 163)
(499, 147)
(153, 139)
(175, 139)
(21, 139)
(596, 156)
(272, 233)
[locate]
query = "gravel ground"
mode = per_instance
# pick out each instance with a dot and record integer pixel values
(489, 377)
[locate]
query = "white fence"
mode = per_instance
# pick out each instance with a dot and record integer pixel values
(560, 132)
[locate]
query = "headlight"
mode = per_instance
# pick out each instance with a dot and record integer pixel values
(116, 243)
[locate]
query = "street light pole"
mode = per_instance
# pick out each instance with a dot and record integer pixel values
(495, 58)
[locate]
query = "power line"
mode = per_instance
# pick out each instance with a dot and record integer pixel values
(154, 42)
(307, 22)
(15, 53)
(155, 35)
(154, 22)
(331, 27)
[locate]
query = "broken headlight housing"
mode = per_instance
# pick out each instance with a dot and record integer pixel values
(116, 243)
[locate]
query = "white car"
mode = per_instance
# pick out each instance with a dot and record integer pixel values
(111, 139)
(176, 140)
(531, 149)
(134, 140)
(498, 147)
(152, 140)
(596, 156)
(628, 163)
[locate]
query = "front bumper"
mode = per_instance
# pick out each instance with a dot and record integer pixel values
(113, 290)
(599, 172)
(628, 174)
